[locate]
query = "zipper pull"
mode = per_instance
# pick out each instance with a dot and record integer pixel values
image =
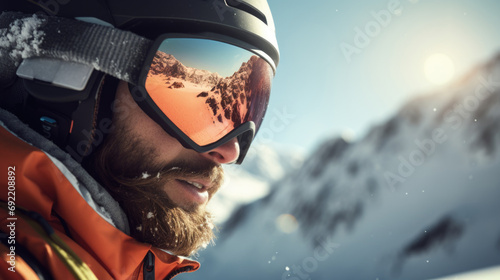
(149, 266)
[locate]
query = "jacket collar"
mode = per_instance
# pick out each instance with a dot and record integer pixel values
(54, 186)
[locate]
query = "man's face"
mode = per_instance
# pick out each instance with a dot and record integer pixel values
(163, 187)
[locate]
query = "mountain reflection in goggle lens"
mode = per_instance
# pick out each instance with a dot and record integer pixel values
(208, 88)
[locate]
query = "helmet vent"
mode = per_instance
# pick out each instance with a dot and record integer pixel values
(244, 6)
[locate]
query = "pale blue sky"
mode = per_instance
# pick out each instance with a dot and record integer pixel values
(214, 56)
(329, 91)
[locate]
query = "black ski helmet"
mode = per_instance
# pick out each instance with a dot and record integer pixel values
(247, 21)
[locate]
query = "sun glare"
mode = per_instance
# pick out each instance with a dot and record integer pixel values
(439, 69)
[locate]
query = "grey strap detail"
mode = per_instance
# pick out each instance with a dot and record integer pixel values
(118, 53)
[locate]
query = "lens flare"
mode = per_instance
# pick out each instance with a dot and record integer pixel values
(439, 69)
(287, 223)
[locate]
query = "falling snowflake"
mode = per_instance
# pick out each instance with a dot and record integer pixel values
(145, 175)
(150, 215)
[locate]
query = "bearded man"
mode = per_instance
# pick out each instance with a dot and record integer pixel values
(116, 120)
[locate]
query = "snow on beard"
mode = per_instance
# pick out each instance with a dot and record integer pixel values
(123, 166)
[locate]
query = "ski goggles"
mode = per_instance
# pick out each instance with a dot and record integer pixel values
(205, 92)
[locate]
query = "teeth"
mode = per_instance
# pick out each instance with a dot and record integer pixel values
(198, 185)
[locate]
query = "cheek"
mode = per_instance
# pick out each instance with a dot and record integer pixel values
(143, 127)
(150, 132)
(163, 143)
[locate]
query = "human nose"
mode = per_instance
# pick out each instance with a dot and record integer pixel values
(226, 153)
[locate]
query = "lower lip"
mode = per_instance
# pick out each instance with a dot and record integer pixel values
(192, 193)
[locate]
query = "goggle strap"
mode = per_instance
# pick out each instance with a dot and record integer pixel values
(113, 51)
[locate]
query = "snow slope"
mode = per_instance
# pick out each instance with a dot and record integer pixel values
(253, 179)
(416, 198)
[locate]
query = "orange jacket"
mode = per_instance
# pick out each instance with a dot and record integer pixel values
(37, 184)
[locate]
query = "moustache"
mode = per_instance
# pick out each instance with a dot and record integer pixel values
(191, 170)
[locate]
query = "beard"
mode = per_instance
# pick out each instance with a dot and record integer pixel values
(124, 165)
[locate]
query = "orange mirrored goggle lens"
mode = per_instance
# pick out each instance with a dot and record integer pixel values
(208, 88)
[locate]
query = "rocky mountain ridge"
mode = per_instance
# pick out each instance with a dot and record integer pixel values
(169, 66)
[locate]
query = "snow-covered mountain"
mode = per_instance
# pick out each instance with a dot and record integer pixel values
(169, 66)
(233, 97)
(416, 198)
